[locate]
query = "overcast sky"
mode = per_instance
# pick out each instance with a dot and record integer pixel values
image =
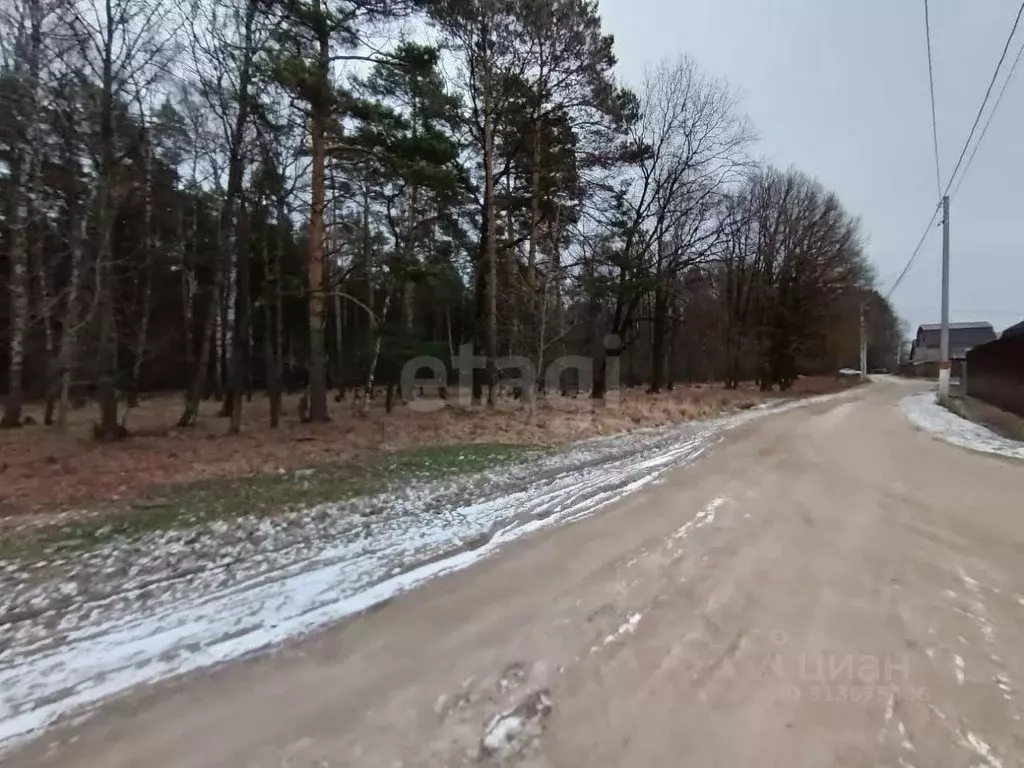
(840, 90)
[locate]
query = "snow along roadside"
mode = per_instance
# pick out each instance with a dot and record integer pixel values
(201, 606)
(925, 413)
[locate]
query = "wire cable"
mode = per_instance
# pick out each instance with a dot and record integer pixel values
(963, 153)
(931, 86)
(984, 130)
(917, 250)
(984, 102)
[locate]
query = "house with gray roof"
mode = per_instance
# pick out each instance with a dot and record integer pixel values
(1013, 330)
(962, 338)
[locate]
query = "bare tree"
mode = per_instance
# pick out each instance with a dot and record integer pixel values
(480, 32)
(687, 145)
(144, 291)
(226, 39)
(122, 47)
(791, 255)
(24, 28)
(169, 225)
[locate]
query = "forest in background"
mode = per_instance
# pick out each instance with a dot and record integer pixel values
(273, 195)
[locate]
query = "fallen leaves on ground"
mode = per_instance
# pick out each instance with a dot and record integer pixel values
(44, 472)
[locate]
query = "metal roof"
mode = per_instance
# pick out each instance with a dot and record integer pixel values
(1014, 330)
(938, 326)
(962, 336)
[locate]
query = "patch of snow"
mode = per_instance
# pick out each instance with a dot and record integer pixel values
(959, 663)
(628, 628)
(1004, 686)
(509, 732)
(705, 516)
(904, 741)
(709, 510)
(977, 613)
(925, 413)
(503, 732)
(77, 631)
(983, 750)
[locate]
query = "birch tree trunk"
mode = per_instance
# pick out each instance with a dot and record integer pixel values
(220, 317)
(218, 336)
(18, 289)
(228, 338)
(142, 331)
(371, 371)
(28, 53)
(45, 306)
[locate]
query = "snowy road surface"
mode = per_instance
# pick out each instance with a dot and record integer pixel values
(824, 586)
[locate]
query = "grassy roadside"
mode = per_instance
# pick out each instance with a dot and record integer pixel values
(188, 504)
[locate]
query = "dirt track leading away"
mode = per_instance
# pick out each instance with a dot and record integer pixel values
(829, 587)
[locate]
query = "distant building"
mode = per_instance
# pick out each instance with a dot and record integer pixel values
(906, 348)
(1013, 330)
(962, 338)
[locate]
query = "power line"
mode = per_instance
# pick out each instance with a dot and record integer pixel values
(913, 256)
(988, 93)
(988, 122)
(963, 153)
(931, 86)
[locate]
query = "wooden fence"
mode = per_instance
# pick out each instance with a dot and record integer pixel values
(995, 374)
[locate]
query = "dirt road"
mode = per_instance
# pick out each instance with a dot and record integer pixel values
(828, 587)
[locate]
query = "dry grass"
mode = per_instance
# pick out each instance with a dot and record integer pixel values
(44, 471)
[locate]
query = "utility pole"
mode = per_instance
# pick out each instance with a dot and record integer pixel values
(944, 365)
(863, 345)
